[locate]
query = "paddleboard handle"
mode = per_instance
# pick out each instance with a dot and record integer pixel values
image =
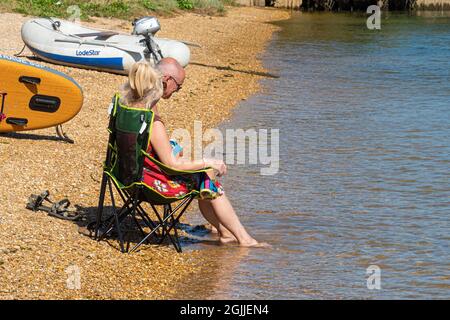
(30, 80)
(44, 103)
(21, 122)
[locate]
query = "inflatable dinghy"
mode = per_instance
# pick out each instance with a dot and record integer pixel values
(67, 43)
(35, 97)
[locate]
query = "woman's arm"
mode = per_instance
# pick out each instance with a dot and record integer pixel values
(161, 145)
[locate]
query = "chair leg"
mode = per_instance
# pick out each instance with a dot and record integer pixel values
(183, 207)
(186, 205)
(101, 202)
(144, 216)
(131, 207)
(168, 214)
(177, 238)
(144, 239)
(162, 224)
(141, 212)
(146, 220)
(121, 214)
(116, 218)
(136, 222)
(174, 223)
(167, 222)
(134, 210)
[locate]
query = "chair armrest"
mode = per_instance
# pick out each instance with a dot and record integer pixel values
(172, 171)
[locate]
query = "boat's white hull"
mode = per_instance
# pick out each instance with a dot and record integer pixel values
(78, 46)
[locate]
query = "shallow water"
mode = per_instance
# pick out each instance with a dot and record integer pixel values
(364, 120)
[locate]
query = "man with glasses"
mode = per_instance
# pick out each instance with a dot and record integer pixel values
(218, 211)
(173, 76)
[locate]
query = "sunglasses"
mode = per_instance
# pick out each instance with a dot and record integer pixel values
(179, 86)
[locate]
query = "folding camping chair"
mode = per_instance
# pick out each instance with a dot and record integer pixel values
(129, 137)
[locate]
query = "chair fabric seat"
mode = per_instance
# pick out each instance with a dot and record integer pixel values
(127, 162)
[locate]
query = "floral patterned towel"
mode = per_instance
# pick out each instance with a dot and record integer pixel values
(179, 185)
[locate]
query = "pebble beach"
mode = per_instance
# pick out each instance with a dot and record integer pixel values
(37, 251)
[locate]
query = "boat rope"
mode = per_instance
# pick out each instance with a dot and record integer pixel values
(15, 49)
(18, 55)
(55, 24)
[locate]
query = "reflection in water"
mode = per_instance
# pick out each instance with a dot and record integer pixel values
(215, 280)
(364, 168)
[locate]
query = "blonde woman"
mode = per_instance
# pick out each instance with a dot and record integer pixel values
(144, 88)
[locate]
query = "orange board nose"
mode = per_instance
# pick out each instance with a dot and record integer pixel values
(35, 97)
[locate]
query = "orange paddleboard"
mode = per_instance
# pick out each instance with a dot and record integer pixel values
(35, 97)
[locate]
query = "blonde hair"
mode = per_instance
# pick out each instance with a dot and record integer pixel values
(144, 85)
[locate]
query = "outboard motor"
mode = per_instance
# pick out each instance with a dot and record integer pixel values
(148, 27)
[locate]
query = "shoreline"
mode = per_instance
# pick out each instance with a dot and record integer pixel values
(37, 250)
(345, 6)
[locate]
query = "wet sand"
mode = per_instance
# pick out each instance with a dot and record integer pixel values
(37, 251)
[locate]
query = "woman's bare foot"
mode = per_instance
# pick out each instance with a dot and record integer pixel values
(213, 230)
(227, 240)
(254, 244)
(263, 245)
